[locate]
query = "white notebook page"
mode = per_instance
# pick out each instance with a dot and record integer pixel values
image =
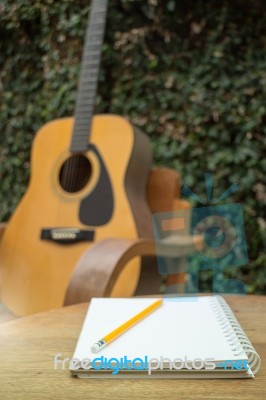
(177, 329)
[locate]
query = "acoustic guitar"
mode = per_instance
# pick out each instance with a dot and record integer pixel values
(88, 180)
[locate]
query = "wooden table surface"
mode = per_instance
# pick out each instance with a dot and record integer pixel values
(28, 346)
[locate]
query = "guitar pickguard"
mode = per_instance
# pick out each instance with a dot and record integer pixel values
(97, 208)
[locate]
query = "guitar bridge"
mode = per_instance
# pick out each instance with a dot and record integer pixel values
(67, 235)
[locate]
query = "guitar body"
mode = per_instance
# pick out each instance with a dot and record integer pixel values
(42, 242)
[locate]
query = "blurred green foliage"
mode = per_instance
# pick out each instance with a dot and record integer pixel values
(189, 73)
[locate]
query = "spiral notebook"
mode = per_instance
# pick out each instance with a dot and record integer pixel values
(189, 337)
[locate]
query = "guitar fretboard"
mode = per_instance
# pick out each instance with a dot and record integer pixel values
(89, 76)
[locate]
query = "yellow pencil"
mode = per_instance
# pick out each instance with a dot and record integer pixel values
(124, 327)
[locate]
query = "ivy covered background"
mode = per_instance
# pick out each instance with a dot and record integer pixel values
(190, 73)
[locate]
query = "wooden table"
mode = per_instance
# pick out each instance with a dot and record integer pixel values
(28, 346)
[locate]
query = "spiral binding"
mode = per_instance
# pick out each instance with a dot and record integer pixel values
(234, 333)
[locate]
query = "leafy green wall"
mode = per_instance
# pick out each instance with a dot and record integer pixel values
(190, 73)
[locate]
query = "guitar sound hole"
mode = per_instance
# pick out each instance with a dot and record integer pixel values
(75, 173)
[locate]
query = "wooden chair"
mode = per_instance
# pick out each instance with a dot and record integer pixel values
(99, 272)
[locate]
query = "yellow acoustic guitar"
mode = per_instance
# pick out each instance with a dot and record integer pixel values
(88, 179)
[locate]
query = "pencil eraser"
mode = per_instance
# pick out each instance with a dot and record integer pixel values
(95, 348)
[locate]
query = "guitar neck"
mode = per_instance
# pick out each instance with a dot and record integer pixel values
(89, 76)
